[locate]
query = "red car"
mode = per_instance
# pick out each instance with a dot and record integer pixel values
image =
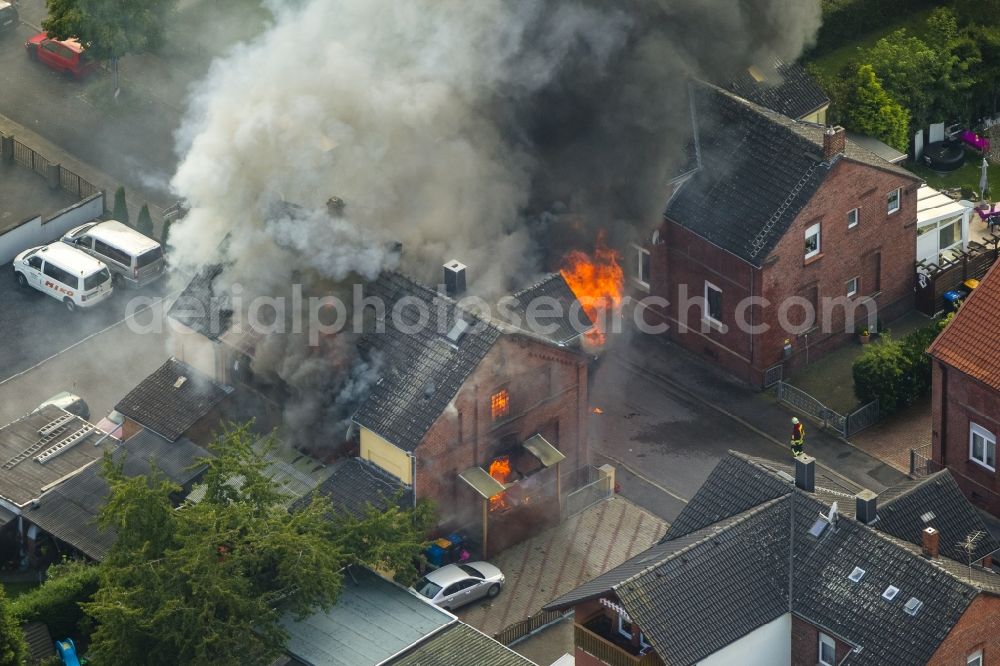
(65, 56)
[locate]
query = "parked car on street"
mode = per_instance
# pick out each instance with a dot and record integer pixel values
(64, 273)
(135, 260)
(455, 585)
(71, 402)
(66, 56)
(8, 16)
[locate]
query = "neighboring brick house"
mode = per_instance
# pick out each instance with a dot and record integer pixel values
(966, 394)
(764, 568)
(780, 230)
(454, 398)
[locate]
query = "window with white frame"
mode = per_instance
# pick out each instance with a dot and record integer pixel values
(852, 218)
(982, 446)
(852, 286)
(827, 651)
(713, 302)
(641, 265)
(975, 659)
(892, 201)
(812, 241)
(625, 629)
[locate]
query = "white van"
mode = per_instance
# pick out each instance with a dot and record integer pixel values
(135, 260)
(64, 273)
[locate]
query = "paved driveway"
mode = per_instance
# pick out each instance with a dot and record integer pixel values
(563, 557)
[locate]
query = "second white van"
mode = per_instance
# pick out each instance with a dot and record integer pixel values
(135, 259)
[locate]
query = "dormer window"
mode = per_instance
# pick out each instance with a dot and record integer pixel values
(500, 404)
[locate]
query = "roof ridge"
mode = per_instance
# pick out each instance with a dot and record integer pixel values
(911, 550)
(731, 522)
(542, 280)
(920, 483)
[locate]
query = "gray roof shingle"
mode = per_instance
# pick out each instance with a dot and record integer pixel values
(786, 88)
(357, 483)
(167, 409)
(421, 369)
(460, 645)
(573, 321)
(704, 589)
(69, 511)
(203, 307)
(758, 169)
(938, 498)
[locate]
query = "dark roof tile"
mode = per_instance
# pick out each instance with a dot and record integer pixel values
(202, 307)
(573, 322)
(357, 483)
(785, 88)
(460, 645)
(169, 409)
(421, 369)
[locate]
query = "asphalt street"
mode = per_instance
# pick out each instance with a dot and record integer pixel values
(131, 142)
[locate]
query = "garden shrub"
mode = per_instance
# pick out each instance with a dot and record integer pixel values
(896, 372)
(56, 601)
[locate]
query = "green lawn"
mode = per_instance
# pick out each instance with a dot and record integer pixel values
(968, 175)
(833, 62)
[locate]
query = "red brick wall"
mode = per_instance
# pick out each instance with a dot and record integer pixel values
(977, 629)
(958, 401)
(685, 261)
(844, 253)
(548, 395)
(805, 643)
(684, 258)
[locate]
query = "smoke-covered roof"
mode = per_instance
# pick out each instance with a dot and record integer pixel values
(202, 307)
(423, 368)
(356, 484)
(552, 289)
(782, 87)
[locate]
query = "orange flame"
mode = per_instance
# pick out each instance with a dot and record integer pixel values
(597, 410)
(501, 471)
(598, 282)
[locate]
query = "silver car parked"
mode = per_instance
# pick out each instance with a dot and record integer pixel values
(455, 585)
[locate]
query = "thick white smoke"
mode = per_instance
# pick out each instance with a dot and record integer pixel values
(443, 124)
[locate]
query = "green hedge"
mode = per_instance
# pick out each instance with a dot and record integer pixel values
(56, 601)
(896, 372)
(845, 20)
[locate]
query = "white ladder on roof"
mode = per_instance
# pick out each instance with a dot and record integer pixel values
(64, 444)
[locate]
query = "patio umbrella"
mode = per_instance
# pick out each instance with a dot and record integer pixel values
(984, 183)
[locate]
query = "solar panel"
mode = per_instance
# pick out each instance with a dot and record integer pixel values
(928, 517)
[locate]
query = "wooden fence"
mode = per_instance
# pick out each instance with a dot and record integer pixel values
(934, 280)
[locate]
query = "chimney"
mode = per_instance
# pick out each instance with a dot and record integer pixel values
(805, 473)
(454, 278)
(335, 206)
(931, 543)
(834, 142)
(866, 503)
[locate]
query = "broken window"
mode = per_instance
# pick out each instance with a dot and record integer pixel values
(500, 404)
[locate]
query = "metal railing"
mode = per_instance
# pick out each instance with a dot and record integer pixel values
(922, 462)
(519, 630)
(608, 652)
(27, 157)
(773, 375)
(592, 486)
(845, 426)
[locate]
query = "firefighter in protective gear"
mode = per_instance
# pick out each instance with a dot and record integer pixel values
(798, 436)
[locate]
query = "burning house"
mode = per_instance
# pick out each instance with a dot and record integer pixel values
(484, 420)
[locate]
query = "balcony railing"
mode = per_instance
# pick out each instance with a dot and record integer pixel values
(608, 652)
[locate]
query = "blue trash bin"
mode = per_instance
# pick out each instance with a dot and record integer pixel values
(952, 298)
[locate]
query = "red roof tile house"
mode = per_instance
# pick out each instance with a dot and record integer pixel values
(966, 390)
(781, 239)
(765, 568)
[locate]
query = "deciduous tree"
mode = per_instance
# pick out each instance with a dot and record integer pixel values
(110, 29)
(12, 647)
(872, 111)
(209, 582)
